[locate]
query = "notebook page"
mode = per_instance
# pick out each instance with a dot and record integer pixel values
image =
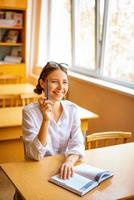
(88, 171)
(77, 182)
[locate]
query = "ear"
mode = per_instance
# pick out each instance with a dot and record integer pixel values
(42, 84)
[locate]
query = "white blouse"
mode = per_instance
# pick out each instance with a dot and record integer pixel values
(64, 136)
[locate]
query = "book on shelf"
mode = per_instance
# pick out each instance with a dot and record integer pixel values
(18, 17)
(9, 14)
(7, 22)
(0, 35)
(85, 178)
(12, 59)
(16, 51)
(11, 18)
(11, 36)
(2, 15)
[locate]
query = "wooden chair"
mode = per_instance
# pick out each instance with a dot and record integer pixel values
(29, 98)
(9, 79)
(100, 139)
(9, 100)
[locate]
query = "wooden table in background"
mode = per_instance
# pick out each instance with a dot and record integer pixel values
(31, 178)
(85, 116)
(16, 89)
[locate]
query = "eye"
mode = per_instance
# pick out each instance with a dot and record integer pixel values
(54, 81)
(65, 82)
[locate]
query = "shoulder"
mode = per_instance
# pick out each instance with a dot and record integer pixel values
(69, 105)
(31, 114)
(32, 107)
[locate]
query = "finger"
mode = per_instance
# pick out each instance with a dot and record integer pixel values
(65, 172)
(41, 100)
(68, 172)
(48, 107)
(49, 102)
(61, 171)
(72, 171)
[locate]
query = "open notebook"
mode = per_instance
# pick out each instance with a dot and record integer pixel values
(85, 178)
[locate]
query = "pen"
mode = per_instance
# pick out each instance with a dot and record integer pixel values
(47, 90)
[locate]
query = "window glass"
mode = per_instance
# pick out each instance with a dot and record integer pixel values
(84, 34)
(60, 31)
(67, 34)
(119, 52)
(43, 39)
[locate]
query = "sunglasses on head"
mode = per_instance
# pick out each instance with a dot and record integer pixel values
(56, 65)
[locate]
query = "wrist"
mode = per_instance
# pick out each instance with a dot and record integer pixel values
(45, 120)
(72, 159)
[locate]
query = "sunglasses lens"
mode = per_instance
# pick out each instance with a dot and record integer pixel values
(64, 65)
(56, 65)
(52, 63)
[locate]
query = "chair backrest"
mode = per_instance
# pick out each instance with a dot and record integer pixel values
(9, 100)
(9, 79)
(93, 140)
(29, 97)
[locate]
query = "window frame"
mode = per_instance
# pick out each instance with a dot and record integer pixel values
(99, 46)
(99, 42)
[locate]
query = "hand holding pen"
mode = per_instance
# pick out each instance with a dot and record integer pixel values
(47, 89)
(46, 105)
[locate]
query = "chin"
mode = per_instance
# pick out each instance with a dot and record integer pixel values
(56, 99)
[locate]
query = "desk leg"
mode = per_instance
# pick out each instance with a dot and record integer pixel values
(84, 128)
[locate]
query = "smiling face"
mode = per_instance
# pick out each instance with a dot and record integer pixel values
(57, 85)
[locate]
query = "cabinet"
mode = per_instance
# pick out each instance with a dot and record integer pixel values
(13, 37)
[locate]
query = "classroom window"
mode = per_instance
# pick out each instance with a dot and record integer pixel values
(84, 34)
(95, 37)
(119, 52)
(43, 36)
(60, 31)
(55, 32)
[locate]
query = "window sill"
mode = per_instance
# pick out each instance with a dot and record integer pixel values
(101, 83)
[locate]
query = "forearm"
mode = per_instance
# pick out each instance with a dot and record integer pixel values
(42, 135)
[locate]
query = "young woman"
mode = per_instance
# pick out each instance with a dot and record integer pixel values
(52, 126)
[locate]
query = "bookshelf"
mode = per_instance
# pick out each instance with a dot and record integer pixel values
(13, 37)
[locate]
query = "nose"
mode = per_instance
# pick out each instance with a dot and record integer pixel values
(60, 86)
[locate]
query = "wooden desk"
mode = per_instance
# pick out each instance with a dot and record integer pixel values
(10, 122)
(85, 116)
(11, 117)
(16, 89)
(31, 178)
(11, 147)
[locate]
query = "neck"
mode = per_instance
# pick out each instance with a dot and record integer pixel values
(57, 110)
(56, 105)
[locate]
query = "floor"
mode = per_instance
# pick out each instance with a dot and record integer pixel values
(6, 188)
